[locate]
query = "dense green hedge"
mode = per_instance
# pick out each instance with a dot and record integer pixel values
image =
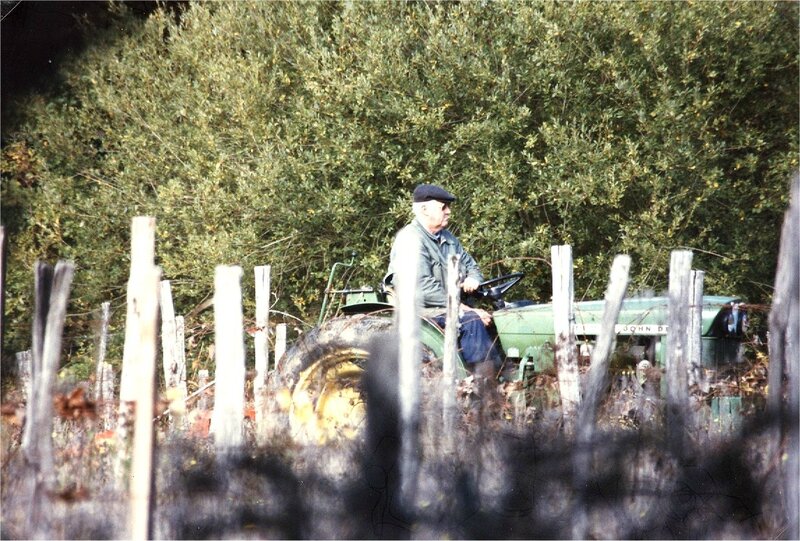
(291, 133)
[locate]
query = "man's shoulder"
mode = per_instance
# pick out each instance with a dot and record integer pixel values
(411, 229)
(408, 233)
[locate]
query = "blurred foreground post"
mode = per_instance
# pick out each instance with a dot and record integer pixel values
(784, 363)
(563, 317)
(261, 349)
(50, 310)
(143, 232)
(228, 414)
(174, 359)
(450, 356)
(141, 475)
(595, 389)
(680, 268)
(409, 355)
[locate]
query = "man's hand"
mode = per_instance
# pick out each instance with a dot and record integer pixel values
(485, 316)
(470, 284)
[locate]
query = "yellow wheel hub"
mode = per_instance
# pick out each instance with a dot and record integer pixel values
(326, 403)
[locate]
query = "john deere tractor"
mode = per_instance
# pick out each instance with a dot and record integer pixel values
(323, 369)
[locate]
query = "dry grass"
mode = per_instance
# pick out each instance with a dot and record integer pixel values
(509, 476)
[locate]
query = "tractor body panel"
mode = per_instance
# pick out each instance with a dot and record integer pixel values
(640, 329)
(525, 329)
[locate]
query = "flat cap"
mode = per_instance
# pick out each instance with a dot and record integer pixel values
(429, 192)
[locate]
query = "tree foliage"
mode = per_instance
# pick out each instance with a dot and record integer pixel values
(292, 133)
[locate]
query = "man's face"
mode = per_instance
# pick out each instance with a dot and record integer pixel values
(438, 215)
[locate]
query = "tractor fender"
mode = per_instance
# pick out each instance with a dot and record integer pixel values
(356, 330)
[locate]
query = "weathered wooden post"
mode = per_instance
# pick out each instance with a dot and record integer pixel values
(563, 318)
(105, 321)
(677, 348)
(24, 368)
(606, 338)
(450, 355)
(262, 276)
(173, 358)
(228, 414)
(143, 232)
(202, 384)
(180, 358)
(104, 374)
(598, 374)
(2, 287)
(695, 353)
(280, 342)
(784, 361)
(52, 294)
(37, 448)
(409, 356)
(104, 395)
(141, 475)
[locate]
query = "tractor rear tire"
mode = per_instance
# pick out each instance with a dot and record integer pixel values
(323, 371)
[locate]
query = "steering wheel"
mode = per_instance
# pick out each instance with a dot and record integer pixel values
(494, 288)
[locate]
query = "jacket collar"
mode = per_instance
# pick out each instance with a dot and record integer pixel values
(440, 238)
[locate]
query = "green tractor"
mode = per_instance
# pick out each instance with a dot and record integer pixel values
(323, 369)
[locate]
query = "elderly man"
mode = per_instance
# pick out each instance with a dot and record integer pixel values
(431, 206)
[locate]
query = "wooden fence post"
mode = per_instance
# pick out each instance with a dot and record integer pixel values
(784, 361)
(280, 342)
(563, 318)
(677, 348)
(141, 476)
(180, 358)
(143, 232)
(24, 368)
(202, 383)
(409, 358)
(262, 276)
(695, 352)
(604, 346)
(104, 373)
(104, 395)
(174, 358)
(598, 374)
(43, 281)
(227, 417)
(105, 321)
(450, 355)
(2, 288)
(52, 295)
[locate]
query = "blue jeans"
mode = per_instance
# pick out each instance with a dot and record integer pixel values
(475, 342)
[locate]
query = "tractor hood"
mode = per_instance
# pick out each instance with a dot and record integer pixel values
(527, 329)
(638, 316)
